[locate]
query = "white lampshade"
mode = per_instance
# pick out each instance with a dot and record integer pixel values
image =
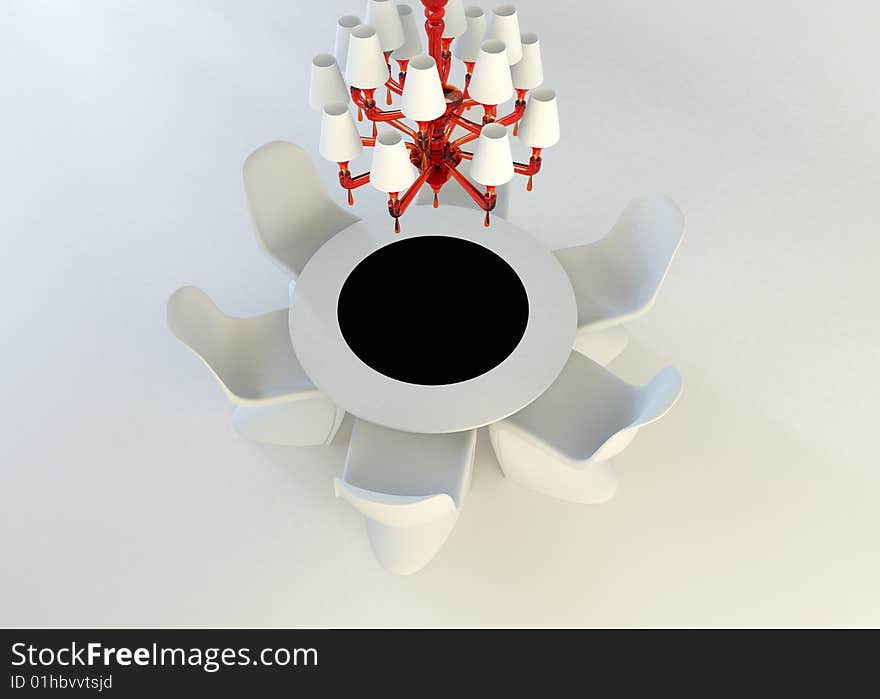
(492, 164)
(491, 82)
(343, 32)
(382, 14)
(366, 68)
(454, 22)
(340, 141)
(467, 46)
(529, 72)
(423, 98)
(326, 83)
(412, 38)
(539, 127)
(391, 169)
(505, 26)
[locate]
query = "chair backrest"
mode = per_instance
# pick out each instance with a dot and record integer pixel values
(585, 406)
(659, 395)
(292, 214)
(641, 245)
(251, 358)
(396, 510)
(197, 322)
(648, 404)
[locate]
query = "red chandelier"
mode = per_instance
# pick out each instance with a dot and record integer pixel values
(505, 64)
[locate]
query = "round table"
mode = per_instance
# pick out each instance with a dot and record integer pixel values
(448, 326)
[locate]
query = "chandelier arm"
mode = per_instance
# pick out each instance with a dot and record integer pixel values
(466, 123)
(368, 141)
(454, 119)
(534, 164)
(467, 138)
(400, 204)
(349, 182)
(518, 110)
(375, 114)
(402, 66)
(400, 126)
(468, 73)
(391, 83)
(531, 168)
(365, 100)
(485, 201)
(446, 55)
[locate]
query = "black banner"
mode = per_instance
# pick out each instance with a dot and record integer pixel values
(135, 663)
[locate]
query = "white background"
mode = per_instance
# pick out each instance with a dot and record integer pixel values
(127, 499)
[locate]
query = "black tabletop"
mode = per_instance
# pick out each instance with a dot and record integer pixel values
(433, 310)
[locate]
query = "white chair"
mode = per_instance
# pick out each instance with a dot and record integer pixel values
(409, 487)
(617, 278)
(292, 214)
(453, 194)
(253, 360)
(561, 444)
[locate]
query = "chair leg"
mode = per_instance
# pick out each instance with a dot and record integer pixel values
(602, 346)
(301, 423)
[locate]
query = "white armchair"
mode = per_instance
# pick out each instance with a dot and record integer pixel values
(617, 278)
(292, 214)
(409, 487)
(253, 361)
(562, 444)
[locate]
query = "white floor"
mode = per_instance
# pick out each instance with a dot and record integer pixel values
(126, 498)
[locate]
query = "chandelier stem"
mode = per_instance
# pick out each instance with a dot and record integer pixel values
(434, 25)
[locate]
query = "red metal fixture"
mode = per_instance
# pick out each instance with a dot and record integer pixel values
(431, 148)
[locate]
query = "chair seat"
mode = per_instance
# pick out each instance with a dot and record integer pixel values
(273, 369)
(252, 358)
(393, 462)
(580, 411)
(254, 362)
(603, 299)
(561, 444)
